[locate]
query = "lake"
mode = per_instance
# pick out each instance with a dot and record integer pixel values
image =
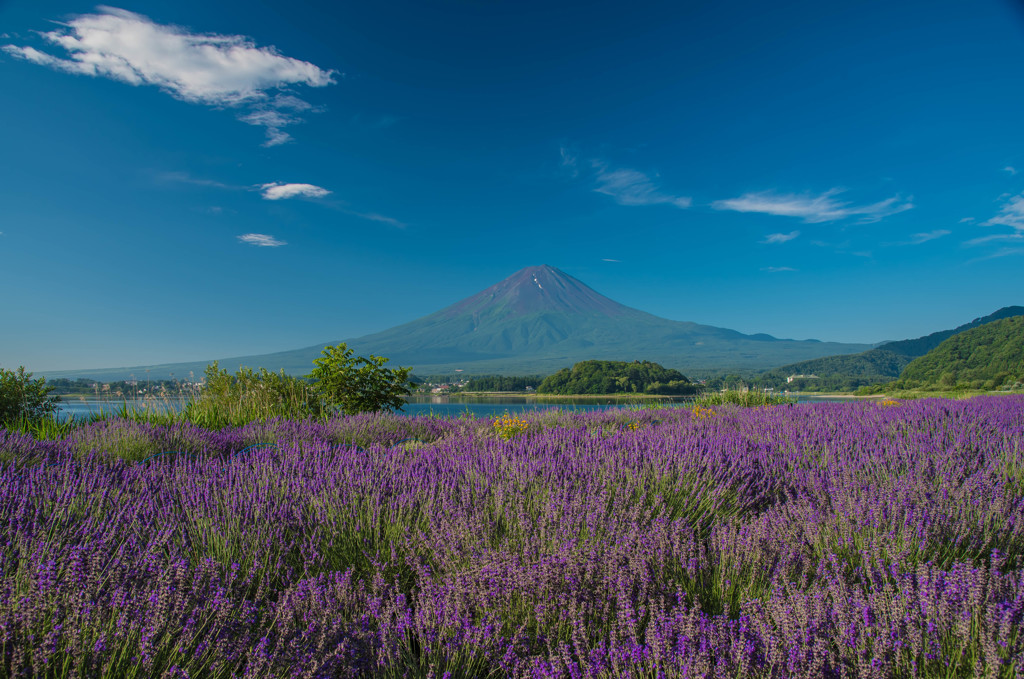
(441, 406)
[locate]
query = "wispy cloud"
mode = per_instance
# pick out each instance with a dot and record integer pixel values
(280, 191)
(1004, 252)
(202, 68)
(919, 238)
(781, 237)
(996, 238)
(569, 161)
(374, 217)
(1009, 168)
(632, 187)
(777, 269)
(261, 239)
(813, 209)
(605, 259)
(1010, 214)
(966, 220)
(186, 178)
(273, 121)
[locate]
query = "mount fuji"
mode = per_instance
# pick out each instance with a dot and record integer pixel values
(538, 320)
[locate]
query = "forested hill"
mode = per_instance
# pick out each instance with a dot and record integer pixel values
(881, 364)
(616, 377)
(922, 345)
(981, 358)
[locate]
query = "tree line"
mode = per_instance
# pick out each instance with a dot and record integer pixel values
(617, 377)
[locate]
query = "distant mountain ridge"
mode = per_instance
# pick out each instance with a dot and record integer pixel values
(881, 364)
(536, 321)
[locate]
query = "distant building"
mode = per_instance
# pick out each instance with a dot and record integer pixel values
(789, 380)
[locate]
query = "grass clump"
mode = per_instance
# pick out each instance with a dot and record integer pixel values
(745, 399)
(248, 396)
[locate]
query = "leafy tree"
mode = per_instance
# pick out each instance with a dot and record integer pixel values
(358, 385)
(616, 377)
(21, 397)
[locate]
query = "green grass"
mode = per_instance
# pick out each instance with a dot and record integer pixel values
(746, 399)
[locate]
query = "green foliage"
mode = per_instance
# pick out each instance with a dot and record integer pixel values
(23, 399)
(503, 382)
(248, 396)
(358, 385)
(617, 377)
(987, 357)
(746, 399)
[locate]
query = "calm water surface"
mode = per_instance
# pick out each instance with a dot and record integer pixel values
(440, 406)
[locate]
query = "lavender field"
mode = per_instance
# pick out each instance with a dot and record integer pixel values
(810, 540)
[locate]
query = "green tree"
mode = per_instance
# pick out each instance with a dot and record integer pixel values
(358, 385)
(616, 377)
(21, 397)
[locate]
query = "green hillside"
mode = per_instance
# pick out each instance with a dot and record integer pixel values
(839, 373)
(875, 366)
(987, 357)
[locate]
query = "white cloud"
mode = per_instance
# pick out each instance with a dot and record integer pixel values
(1009, 168)
(777, 269)
(186, 178)
(781, 237)
(813, 209)
(631, 187)
(1004, 252)
(279, 191)
(996, 238)
(261, 239)
(965, 220)
(610, 260)
(273, 120)
(919, 238)
(202, 68)
(1011, 214)
(374, 217)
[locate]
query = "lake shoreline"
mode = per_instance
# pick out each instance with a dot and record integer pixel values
(542, 397)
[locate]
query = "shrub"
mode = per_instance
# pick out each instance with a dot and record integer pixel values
(358, 385)
(23, 399)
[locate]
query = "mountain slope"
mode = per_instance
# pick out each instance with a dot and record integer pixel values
(984, 357)
(922, 345)
(878, 365)
(538, 320)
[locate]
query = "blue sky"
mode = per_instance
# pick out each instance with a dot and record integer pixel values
(194, 180)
